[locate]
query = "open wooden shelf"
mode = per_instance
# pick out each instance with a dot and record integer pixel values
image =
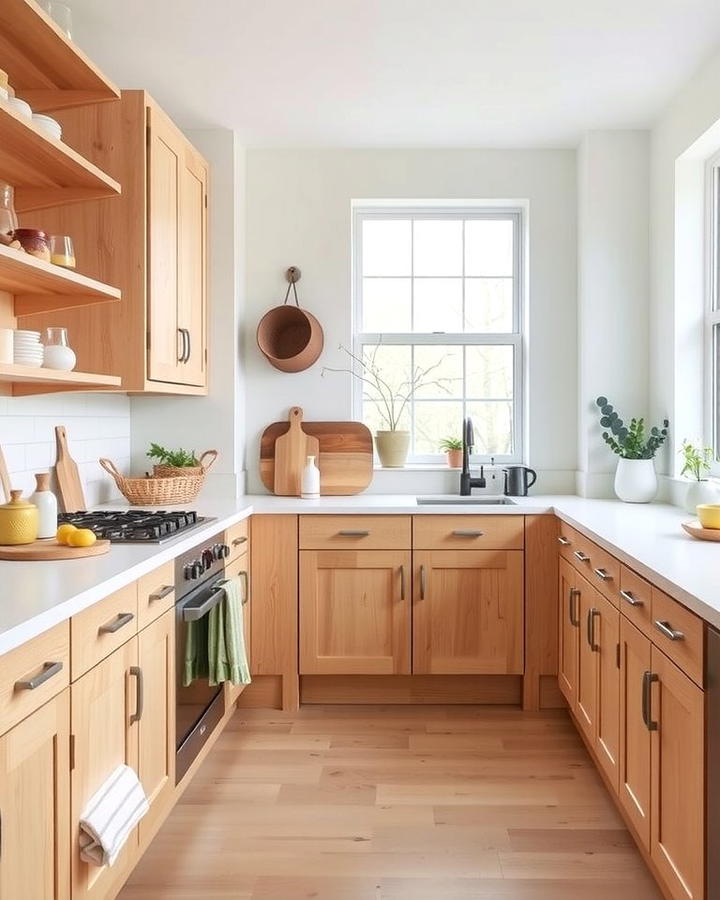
(26, 379)
(44, 67)
(39, 286)
(46, 172)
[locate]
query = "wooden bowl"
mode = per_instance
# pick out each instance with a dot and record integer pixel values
(290, 338)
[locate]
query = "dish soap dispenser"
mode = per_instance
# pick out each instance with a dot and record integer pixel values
(310, 485)
(47, 506)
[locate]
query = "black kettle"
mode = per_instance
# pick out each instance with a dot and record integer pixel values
(516, 480)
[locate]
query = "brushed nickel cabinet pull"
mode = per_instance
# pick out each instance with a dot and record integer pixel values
(603, 574)
(564, 541)
(246, 593)
(647, 680)
(163, 592)
(578, 554)
(239, 540)
(592, 615)
(670, 633)
(137, 672)
(423, 582)
(353, 533)
(117, 623)
(468, 533)
(572, 609)
(633, 601)
(48, 671)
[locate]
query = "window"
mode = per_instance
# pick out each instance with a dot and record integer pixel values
(437, 298)
(712, 310)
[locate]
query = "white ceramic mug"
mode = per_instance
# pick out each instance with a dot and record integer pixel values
(6, 345)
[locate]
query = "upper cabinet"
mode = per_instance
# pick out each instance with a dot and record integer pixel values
(151, 242)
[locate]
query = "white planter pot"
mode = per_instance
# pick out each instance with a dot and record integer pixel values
(636, 480)
(701, 492)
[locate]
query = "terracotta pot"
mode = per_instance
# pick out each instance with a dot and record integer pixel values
(392, 448)
(454, 458)
(290, 338)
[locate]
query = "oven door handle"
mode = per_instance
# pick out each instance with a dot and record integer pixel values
(193, 613)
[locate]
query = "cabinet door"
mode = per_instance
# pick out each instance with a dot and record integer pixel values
(35, 805)
(103, 702)
(354, 612)
(192, 289)
(166, 347)
(634, 774)
(678, 790)
(156, 728)
(606, 636)
(587, 681)
(240, 567)
(468, 612)
(569, 632)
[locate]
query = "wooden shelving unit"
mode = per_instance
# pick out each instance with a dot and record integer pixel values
(25, 379)
(39, 286)
(45, 68)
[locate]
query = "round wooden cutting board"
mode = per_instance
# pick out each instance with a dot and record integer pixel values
(703, 534)
(51, 549)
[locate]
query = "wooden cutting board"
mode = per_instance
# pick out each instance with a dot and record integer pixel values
(70, 489)
(345, 460)
(51, 550)
(703, 534)
(291, 450)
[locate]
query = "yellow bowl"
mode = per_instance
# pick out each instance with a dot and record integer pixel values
(709, 515)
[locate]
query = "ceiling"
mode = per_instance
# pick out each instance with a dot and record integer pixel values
(421, 73)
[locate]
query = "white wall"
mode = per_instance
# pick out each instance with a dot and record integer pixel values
(215, 421)
(97, 425)
(613, 292)
(299, 212)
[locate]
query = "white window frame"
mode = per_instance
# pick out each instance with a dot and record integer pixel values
(516, 338)
(711, 375)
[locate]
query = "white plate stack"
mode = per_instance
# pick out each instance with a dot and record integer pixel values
(27, 349)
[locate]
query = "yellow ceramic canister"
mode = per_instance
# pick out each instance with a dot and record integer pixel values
(18, 521)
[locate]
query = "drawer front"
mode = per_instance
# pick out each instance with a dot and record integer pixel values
(237, 537)
(567, 541)
(679, 634)
(636, 600)
(354, 532)
(102, 628)
(32, 674)
(499, 532)
(156, 594)
(605, 573)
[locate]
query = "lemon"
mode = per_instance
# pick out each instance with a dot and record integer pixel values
(81, 537)
(63, 533)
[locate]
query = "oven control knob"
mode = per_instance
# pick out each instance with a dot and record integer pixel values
(197, 570)
(187, 572)
(208, 557)
(217, 551)
(225, 550)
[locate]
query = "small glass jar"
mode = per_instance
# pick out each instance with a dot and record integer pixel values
(34, 242)
(8, 218)
(62, 251)
(58, 354)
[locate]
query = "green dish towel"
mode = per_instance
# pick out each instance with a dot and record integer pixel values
(197, 665)
(227, 654)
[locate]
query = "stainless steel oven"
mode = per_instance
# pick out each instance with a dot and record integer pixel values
(199, 706)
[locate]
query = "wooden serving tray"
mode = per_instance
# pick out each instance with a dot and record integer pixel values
(51, 549)
(695, 529)
(346, 455)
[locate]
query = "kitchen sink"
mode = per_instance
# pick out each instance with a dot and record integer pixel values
(457, 500)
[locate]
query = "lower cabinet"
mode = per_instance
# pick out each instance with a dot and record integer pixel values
(355, 612)
(35, 805)
(569, 632)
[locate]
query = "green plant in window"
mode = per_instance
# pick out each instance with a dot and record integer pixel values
(696, 460)
(451, 443)
(633, 441)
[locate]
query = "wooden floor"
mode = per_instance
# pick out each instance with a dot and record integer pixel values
(398, 803)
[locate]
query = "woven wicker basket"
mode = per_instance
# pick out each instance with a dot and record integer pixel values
(149, 491)
(180, 472)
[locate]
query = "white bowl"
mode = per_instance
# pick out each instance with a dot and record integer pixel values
(21, 339)
(21, 332)
(19, 357)
(30, 363)
(21, 107)
(48, 126)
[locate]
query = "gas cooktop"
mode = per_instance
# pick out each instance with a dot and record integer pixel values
(136, 526)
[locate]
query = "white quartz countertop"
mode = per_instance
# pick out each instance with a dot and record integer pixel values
(34, 596)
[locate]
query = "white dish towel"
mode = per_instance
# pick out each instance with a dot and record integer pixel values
(110, 815)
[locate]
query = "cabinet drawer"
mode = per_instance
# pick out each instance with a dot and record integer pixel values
(679, 634)
(32, 674)
(605, 573)
(102, 628)
(354, 532)
(567, 541)
(237, 537)
(499, 532)
(156, 593)
(636, 600)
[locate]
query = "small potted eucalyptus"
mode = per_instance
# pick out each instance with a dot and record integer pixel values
(452, 447)
(696, 465)
(636, 446)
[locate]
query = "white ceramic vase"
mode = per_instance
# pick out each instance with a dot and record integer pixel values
(636, 480)
(310, 485)
(392, 448)
(701, 492)
(47, 507)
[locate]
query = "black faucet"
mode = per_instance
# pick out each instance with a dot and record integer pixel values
(467, 482)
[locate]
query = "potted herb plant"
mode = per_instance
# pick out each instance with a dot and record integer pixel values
(635, 476)
(453, 450)
(392, 443)
(696, 464)
(171, 463)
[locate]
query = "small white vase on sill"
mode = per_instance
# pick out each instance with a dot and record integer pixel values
(310, 485)
(702, 491)
(636, 480)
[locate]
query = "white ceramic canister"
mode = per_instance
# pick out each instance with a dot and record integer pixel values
(6, 345)
(703, 491)
(310, 485)
(47, 507)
